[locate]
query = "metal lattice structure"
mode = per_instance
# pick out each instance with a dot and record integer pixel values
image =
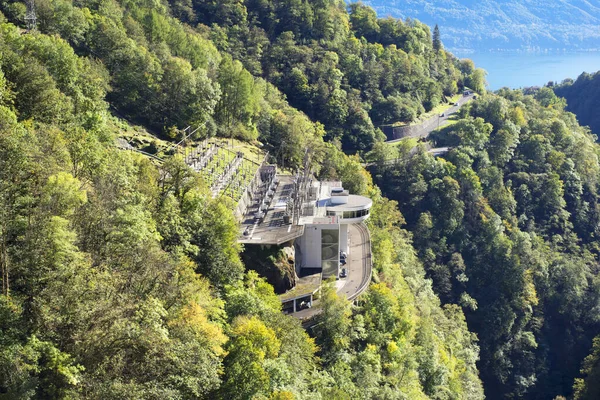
(30, 16)
(302, 183)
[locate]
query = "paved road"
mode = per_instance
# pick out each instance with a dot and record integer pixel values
(359, 264)
(435, 122)
(437, 151)
(359, 267)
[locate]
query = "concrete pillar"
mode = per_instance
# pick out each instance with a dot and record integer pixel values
(310, 247)
(337, 274)
(344, 242)
(294, 305)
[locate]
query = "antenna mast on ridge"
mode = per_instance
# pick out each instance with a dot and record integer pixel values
(30, 17)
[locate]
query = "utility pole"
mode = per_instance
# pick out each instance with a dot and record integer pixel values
(30, 17)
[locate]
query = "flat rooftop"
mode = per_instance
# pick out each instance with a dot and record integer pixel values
(354, 202)
(274, 230)
(305, 286)
(315, 209)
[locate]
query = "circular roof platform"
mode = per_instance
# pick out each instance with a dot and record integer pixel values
(355, 202)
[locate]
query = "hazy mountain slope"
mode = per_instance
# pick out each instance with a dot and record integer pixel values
(504, 24)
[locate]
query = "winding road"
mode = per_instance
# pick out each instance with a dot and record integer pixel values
(437, 121)
(360, 264)
(359, 267)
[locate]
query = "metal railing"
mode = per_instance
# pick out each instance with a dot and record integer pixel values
(286, 238)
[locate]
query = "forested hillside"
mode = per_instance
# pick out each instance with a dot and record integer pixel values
(507, 226)
(583, 98)
(351, 72)
(121, 275)
(534, 25)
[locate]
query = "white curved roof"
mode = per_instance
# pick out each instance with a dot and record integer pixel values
(355, 202)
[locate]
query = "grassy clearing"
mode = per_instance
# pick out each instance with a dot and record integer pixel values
(405, 142)
(449, 122)
(138, 137)
(437, 110)
(301, 289)
(142, 140)
(440, 108)
(443, 131)
(251, 151)
(391, 151)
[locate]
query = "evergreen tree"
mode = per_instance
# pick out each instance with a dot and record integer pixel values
(437, 41)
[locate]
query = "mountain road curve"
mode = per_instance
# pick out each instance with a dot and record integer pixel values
(425, 128)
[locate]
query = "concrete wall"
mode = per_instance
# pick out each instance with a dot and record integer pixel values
(310, 244)
(310, 247)
(344, 246)
(416, 131)
(399, 132)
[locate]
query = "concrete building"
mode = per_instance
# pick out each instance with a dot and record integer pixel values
(325, 234)
(317, 218)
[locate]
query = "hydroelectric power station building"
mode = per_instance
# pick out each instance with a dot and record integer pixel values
(325, 234)
(322, 220)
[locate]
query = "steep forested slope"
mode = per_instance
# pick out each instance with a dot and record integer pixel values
(588, 387)
(583, 98)
(349, 72)
(504, 24)
(507, 225)
(121, 277)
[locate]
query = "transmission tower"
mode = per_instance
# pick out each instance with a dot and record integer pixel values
(30, 17)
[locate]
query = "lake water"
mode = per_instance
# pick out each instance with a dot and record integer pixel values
(517, 70)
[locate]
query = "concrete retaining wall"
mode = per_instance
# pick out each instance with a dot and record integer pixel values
(399, 132)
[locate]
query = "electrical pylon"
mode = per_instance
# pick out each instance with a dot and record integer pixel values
(30, 17)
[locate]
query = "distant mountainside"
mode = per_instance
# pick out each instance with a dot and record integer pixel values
(504, 24)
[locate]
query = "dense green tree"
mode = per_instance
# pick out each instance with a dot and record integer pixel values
(252, 346)
(476, 80)
(364, 21)
(496, 226)
(581, 98)
(121, 276)
(587, 388)
(238, 103)
(437, 41)
(188, 96)
(335, 325)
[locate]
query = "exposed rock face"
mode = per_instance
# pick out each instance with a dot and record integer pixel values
(275, 263)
